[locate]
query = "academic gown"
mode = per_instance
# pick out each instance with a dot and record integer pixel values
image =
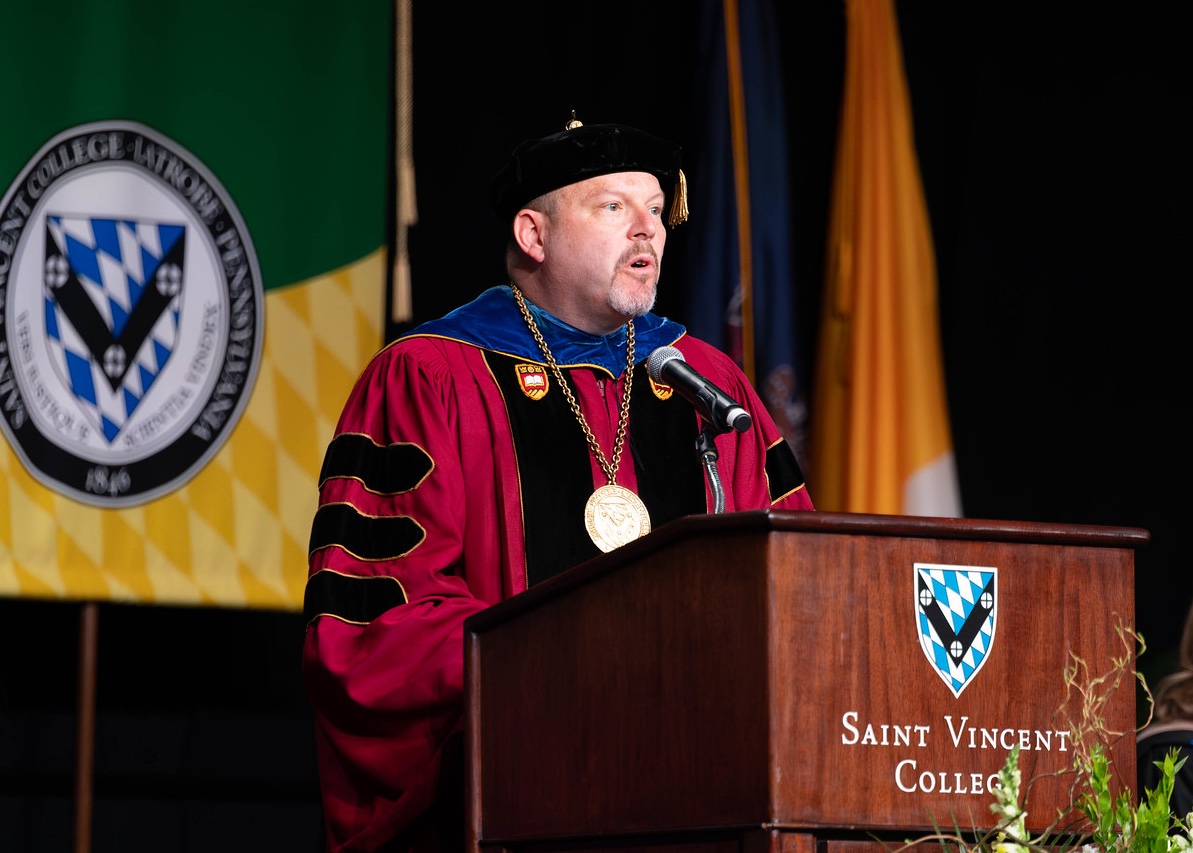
(456, 478)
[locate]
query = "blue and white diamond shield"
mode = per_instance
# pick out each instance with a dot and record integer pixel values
(112, 295)
(956, 612)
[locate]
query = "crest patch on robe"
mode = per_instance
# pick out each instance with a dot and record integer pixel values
(532, 379)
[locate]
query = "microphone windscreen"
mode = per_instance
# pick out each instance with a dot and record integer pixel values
(662, 355)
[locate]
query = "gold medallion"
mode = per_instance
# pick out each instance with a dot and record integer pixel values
(614, 516)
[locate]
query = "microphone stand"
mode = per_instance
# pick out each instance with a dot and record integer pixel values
(707, 448)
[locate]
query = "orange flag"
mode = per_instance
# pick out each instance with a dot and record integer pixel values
(880, 433)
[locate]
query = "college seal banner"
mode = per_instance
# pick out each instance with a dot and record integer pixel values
(194, 243)
(132, 313)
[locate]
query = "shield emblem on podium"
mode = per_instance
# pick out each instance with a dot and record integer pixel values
(956, 612)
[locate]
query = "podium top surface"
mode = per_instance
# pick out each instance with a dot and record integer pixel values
(852, 524)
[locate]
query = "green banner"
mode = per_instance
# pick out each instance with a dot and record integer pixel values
(192, 269)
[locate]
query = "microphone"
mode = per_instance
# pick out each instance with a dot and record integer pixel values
(667, 365)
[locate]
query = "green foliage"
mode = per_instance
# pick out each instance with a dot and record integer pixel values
(1121, 826)
(1116, 822)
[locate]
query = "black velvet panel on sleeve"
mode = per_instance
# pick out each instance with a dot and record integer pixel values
(368, 537)
(783, 475)
(383, 470)
(354, 599)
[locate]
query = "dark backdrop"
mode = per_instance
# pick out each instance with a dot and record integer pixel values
(1053, 142)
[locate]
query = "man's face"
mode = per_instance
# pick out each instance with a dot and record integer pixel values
(605, 246)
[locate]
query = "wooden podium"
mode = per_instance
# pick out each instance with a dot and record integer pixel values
(772, 681)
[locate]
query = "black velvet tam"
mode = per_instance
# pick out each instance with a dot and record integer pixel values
(538, 166)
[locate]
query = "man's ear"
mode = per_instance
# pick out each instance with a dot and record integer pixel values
(529, 227)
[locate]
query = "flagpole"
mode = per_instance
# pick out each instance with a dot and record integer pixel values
(741, 182)
(405, 208)
(85, 728)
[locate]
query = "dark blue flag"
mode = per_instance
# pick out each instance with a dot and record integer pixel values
(742, 281)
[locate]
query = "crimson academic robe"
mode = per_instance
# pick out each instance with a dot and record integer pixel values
(458, 477)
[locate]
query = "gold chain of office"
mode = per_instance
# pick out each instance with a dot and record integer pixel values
(613, 515)
(609, 467)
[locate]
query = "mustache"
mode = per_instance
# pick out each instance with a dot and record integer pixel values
(637, 249)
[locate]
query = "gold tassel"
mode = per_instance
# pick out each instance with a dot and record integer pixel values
(679, 204)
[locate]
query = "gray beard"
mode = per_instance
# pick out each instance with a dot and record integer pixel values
(633, 304)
